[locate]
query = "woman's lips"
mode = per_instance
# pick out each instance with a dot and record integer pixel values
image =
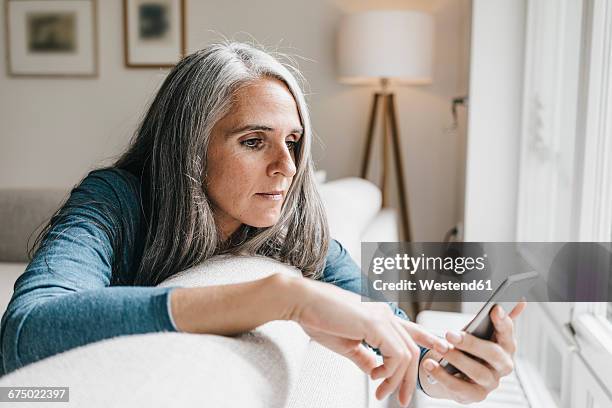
(273, 196)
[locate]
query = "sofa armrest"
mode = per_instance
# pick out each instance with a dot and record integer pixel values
(256, 369)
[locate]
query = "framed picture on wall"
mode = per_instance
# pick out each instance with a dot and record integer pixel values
(51, 38)
(154, 32)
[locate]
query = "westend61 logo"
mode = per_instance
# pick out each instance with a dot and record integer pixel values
(413, 264)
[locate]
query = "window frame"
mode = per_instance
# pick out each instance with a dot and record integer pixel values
(589, 320)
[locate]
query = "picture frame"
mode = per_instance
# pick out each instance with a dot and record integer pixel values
(51, 38)
(154, 33)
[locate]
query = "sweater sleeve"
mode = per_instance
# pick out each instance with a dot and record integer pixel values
(342, 271)
(64, 299)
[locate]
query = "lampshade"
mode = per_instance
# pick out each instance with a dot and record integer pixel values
(397, 45)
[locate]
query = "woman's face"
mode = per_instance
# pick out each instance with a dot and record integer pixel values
(251, 159)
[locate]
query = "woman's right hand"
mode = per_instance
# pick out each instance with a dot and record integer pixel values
(340, 321)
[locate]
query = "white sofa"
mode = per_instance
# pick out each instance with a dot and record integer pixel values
(274, 366)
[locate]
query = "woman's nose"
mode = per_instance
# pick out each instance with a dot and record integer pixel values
(282, 162)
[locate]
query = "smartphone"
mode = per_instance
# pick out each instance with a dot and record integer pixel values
(513, 287)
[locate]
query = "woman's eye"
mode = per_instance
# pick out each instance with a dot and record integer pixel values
(252, 143)
(256, 143)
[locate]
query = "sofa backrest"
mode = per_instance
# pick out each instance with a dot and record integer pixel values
(23, 213)
(351, 204)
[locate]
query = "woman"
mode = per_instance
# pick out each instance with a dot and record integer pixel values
(221, 164)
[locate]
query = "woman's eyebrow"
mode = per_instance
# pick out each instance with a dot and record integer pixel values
(250, 128)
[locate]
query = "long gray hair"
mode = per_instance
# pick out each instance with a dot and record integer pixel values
(168, 154)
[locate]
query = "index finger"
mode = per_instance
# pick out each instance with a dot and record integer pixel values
(423, 337)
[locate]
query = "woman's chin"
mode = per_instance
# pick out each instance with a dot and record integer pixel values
(264, 222)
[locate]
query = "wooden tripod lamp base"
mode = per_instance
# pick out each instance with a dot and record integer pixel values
(385, 101)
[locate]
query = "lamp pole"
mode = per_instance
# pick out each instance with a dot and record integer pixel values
(390, 140)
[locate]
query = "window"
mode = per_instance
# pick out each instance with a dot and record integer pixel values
(565, 185)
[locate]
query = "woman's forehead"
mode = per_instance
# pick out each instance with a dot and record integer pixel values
(264, 102)
(268, 91)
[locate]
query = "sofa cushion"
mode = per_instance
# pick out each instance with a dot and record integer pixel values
(257, 369)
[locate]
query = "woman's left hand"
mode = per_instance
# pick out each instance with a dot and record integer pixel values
(479, 376)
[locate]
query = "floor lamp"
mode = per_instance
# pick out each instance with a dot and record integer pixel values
(386, 47)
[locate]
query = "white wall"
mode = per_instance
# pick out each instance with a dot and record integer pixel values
(494, 122)
(53, 130)
(496, 85)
